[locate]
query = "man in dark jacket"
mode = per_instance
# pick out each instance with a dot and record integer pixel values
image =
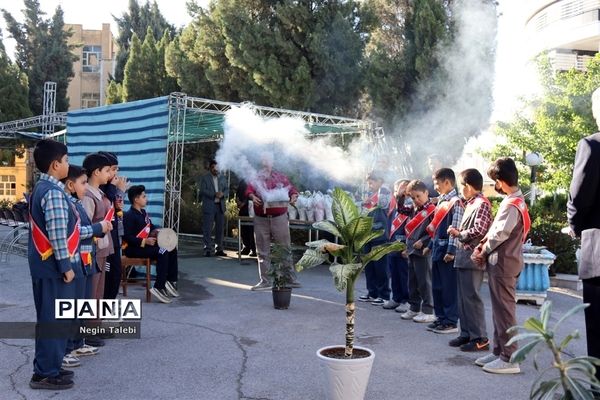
(584, 220)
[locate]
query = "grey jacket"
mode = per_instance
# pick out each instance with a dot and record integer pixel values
(583, 209)
(208, 192)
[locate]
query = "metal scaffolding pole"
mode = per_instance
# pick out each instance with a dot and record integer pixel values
(49, 108)
(175, 145)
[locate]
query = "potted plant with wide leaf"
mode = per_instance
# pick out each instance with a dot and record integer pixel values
(348, 367)
(280, 274)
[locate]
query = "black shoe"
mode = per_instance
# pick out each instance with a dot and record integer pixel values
(253, 254)
(458, 341)
(479, 344)
(245, 251)
(66, 373)
(220, 253)
(207, 254)
(50, 383)
(95, 341)
(434, 325)
(446, 328)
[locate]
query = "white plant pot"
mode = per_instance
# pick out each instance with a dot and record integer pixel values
(346, 379)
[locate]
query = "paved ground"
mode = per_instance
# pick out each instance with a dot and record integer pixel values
(220, 341)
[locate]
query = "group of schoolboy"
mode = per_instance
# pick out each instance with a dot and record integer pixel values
(450, 242)
(74, 250)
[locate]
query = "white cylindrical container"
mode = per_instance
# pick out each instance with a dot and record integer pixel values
(346, 379)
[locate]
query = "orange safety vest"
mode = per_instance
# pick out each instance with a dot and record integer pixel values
(418, 220)
(520, 204)
(441, 211)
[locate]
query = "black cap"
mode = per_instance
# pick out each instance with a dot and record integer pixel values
(112, 157)
(95, 161)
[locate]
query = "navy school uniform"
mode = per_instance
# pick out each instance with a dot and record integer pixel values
(88, 267)
(134, 222)
(54, 217)
(443, 274)
(376, 272)
(397, 264)
(113, 261)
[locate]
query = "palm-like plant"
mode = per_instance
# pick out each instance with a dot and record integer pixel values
(353, 231)
(575, 375)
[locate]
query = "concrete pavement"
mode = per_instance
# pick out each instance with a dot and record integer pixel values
(221, 341)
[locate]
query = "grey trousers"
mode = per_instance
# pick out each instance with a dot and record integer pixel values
(208, 219)
(267, 229)
(504, 309)
(471, 311)
(419, 284)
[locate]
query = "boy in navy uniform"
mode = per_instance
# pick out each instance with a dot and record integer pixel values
(398, 214)
(115, 191)
(53, 255)
(376, 272)
(75, 185)
(139, 244)
(448, 213)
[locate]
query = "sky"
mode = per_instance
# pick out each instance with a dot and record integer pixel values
(515, 75)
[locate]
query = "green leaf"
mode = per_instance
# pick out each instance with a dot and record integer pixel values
(534, 324)
(328, 226)
(344, 273)
(523, 336)
(357, 230)
(545, 312)
(311, 258)
(366, 239)
(569, 313)
(343, 208)
(545, 391)
(378, 252)
(567, 339)
(578, 391)
(581, 364)
(522, 352)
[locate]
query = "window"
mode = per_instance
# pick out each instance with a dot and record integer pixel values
(8, 185)
(92, 55)
(89, 100)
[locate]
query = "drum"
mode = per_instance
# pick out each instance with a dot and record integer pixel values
(167, 239)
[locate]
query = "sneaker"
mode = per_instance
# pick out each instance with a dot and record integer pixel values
(410, 314)
(433, 325)
(160, 296)
(65, 373)
(171, 290)
(479, 344)
(262, 285)
(245, 251)
(51, 383)
(366, 298)
(499, 366)
(446, 328)
(85, 350)
(458, 341)
(423, 318)
(295, 284)
(252, 254)
(70, 361)
(220, 253)
(378, 302)
(481, 361)
(390, 304)
(402, 308)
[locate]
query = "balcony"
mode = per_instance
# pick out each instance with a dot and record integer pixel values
(566, 61)
(565, 25)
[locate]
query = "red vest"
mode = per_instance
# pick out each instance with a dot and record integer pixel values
(418, 220)
(441, 211)
(520, 204)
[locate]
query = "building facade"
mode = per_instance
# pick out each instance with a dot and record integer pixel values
(568, 29)
(15, 180)
(96, 50)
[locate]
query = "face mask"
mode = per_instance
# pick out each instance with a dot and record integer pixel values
(499, 189)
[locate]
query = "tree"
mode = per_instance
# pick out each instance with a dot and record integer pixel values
(136, 84)
(553, 122)
(303, 55)
(114, 93)
(43, 53)
(14, 91)
(138, 20)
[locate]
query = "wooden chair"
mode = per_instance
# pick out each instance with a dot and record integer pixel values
(125, 280)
